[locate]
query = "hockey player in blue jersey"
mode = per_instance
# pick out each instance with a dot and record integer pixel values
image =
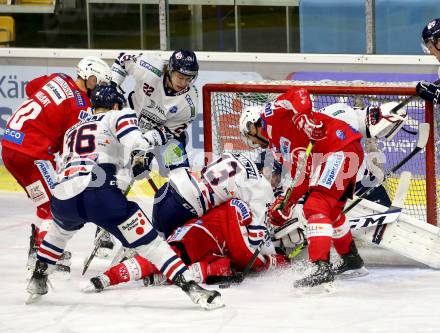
(87, 191)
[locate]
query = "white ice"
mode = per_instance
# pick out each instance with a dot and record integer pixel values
(390, 299)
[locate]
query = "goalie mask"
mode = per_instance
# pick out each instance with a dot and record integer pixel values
(381, 123)
(251, 115)
(90, 66)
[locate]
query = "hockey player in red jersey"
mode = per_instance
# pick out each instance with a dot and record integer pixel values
(213, 246)
(35, 130)
(288, 125)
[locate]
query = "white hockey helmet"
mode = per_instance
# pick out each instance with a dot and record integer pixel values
(250, 115)
(382, 123)
(91, 65)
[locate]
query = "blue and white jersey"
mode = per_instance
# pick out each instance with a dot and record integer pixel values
(231, 176)
(158, 105)
(353, 116)
(102, 143)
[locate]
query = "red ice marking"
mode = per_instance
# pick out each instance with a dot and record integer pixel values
(140, 214)
(139, 230)
(142, 222)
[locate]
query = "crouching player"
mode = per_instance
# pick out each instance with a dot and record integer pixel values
(88, 191)
(214, 246)
(288, 126)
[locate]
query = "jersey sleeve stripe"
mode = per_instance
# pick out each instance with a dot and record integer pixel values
(125, 132)
(125, 116)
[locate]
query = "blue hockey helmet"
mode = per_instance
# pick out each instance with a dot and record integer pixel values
(184, 62)
(106, 96)
(430, 34)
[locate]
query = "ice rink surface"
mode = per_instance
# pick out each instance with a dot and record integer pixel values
(390, 299)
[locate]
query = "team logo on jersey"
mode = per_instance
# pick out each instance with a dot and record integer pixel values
(150, 67)
(285, 148)
(341, 135)
(173, 109)
(79, 99)
(242, 210)
(14, 136)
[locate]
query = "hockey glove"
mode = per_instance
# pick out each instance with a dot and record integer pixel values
(428, 91)
(141, 162)
(274, 261)
(280, 216)
(157, 136)
(313, 129)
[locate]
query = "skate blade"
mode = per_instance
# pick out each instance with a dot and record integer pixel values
(32, 298)
(216, 303)
(103, 253)
(327, 288)
(353, 274)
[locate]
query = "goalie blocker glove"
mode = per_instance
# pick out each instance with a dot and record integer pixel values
(428, 91)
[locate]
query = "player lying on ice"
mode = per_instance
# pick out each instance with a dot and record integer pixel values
(188, 197)
(88, 191)
(214, 247)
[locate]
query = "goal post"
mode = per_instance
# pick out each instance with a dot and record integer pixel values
(223, 103)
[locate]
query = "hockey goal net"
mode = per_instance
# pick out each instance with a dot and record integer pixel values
(223, 103)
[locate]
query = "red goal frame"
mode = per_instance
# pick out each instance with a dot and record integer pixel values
(431, 193)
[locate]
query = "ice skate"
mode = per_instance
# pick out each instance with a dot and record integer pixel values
(207, 299)
(320, 274)
(32, 252)
(350, 265)
(97, 284)
(38, 284)
(106, 244)
(155, 280)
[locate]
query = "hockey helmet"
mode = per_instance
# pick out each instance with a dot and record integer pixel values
(382, 123)
(91, 65)
(430, 34)
(184, 62)
(250, 115)
(106, 96)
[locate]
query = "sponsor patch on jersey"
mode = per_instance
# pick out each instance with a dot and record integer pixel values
(173, 109)
(42, 98)
(55, 92)
(150, 67)
(191, 105)
(341, 135)
(63, 84)
(242, 210)
(331, 170)
(83, 115)
(180, 232)
(135, 227)
(37, 193)
(268, 111)
(79, 99)
(14, 136)
(285, 148)
(48, 173)
(251, 170)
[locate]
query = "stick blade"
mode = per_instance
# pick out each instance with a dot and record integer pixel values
(402, 189)
(423, 135)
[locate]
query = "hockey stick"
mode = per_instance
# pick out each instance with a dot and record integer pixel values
(408, 100)
(421, 143)
(239, 276)
(95, 250)
(398, 202)
(301, 167)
